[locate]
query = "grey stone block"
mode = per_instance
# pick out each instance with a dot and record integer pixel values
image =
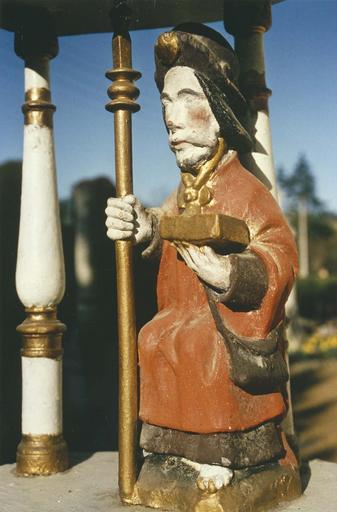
(91, 485)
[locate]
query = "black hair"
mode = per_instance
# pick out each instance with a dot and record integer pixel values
(234, 134)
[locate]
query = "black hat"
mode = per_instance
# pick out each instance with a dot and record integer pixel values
(216, 67)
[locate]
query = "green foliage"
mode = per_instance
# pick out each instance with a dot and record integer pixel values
(320, 226)
(323, 242)
(331, 258)
(317, 298)
(322, 230)
(299, 190)
(300, 184)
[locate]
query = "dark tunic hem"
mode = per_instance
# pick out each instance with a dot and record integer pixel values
(236, 450)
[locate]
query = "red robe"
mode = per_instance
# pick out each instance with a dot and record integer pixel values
(184, 366)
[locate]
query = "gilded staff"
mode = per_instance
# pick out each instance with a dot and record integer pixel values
(123, 94)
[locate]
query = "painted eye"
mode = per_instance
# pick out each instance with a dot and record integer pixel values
(191, 99)
(164, 99)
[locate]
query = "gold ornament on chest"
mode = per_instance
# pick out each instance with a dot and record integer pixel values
(192, 224)
(197, 191)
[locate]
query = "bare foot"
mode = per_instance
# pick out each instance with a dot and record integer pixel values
(213, 478)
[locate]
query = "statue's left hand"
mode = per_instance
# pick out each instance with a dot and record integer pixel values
(211, 267)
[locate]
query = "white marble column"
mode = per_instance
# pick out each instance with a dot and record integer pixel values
(248, 22)
(250, 50)
(40, 276)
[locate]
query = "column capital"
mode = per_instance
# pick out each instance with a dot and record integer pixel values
(243, 17)
(36, 39)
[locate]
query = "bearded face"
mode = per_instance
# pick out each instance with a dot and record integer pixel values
(192, 127)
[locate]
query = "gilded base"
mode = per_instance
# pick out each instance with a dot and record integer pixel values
(169, 484)
(41, 455)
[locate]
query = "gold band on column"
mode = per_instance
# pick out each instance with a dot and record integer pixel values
(41, 455)
(42, 333)
(42, 337)
(38, 108)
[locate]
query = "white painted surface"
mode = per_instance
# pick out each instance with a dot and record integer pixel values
(192, 127)
(127, 218)
(250, 51)
(41, 396)
(264, 156)
(215, 269)
(37, 74)
(219, 475)
(40, 276)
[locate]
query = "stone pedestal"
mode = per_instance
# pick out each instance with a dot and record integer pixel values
(91, 484)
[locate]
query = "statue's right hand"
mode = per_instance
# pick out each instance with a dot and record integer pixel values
(127, 219)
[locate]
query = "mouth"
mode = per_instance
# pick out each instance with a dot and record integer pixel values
(183, 143)
(179, 143)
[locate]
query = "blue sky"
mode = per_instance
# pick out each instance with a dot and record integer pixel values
(301, 71)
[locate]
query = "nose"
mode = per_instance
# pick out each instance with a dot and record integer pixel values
(173, 117)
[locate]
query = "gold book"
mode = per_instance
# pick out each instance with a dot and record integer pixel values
(213, 229)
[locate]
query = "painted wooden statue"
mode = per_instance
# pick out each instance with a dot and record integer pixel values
(212, 368)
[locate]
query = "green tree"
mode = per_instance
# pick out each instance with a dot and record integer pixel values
(300, 185)
(300, 195)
